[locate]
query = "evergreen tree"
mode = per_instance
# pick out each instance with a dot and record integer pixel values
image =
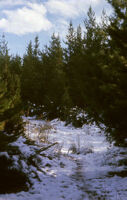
(118, 67)
(10, 124)
(73, 62)
(31, 81)
(27, 75)
(68, 61)
(95, 49)
(9, 82)
(52, 59)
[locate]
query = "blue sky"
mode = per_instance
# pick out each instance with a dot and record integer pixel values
(22, 20)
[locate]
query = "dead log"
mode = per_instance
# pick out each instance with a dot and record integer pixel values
(47, 147)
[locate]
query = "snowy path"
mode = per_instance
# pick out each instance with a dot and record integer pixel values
(83, 166)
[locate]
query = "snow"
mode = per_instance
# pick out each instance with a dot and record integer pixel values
(4, 154)
(82, 165)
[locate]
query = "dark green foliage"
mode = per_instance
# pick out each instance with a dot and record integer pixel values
(73, 64)
(31, 80)
(96, 70)
(54, 77)
(12, 179)
(118, 68)
(9, 82)
(43, 77)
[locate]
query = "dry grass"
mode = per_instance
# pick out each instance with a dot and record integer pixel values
(43, 132)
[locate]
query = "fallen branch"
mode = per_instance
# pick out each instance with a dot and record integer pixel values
(45, 148)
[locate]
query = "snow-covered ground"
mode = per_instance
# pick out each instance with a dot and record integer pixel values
(79, 165)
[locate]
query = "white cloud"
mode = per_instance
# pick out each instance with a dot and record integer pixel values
(30, 16)
(69, 8)
(28, 19)
(4, 3)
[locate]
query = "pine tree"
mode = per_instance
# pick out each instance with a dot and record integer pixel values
(68, 60)
(52, 59)
(10, 82)
(73, 62)
(91, 66)
(118, 67)
(27, 75)
(10, 124)
(31, 87)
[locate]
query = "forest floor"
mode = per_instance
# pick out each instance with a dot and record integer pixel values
(72, 163)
